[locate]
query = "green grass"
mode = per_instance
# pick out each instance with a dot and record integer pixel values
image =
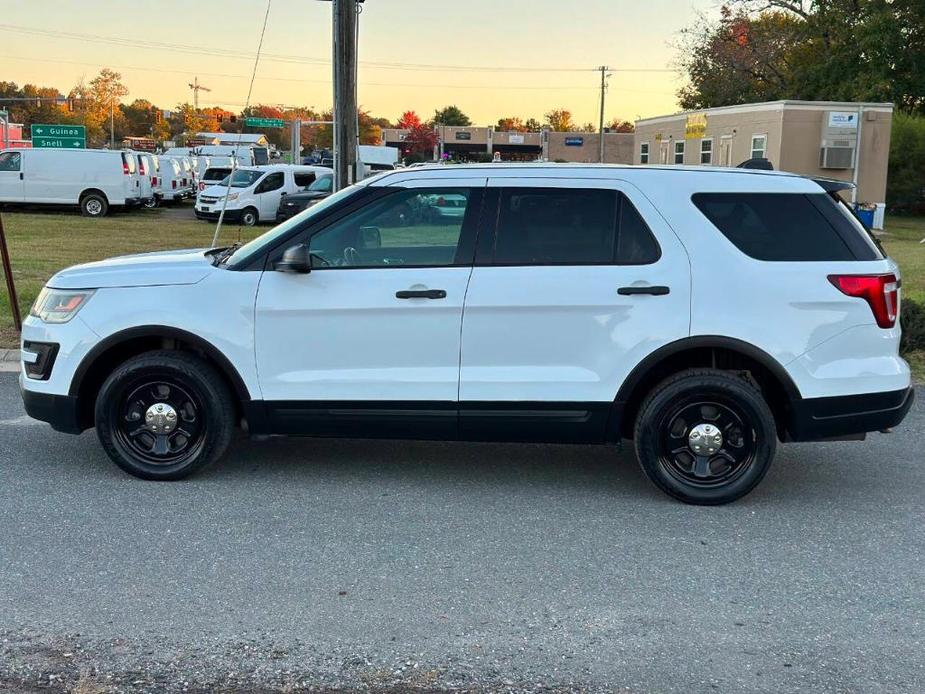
(42, 243)
(901, 239)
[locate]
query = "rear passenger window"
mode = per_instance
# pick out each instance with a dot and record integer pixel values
(774, 226)
(303, 180)
(568, 226)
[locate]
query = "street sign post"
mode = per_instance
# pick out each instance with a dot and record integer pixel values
(264, 122)
(67, 136)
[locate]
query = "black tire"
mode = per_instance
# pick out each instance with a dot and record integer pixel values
(204, 415)
(94, 205)
(721, 469)
(151, 203)
(250, 217)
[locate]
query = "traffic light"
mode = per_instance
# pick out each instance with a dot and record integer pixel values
(158, 114)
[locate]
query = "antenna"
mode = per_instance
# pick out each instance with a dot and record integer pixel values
(196, 87)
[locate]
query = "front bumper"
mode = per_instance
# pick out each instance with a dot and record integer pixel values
(288, 213)
(813, 419)
(230, 215)
(58, 410)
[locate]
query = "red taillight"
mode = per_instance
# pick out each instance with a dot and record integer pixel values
(154, 180)
(173, 183)
(881, 292)
(141, 167)
(125, 166)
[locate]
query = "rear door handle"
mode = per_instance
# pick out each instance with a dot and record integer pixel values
(421, 294)
(655, 290)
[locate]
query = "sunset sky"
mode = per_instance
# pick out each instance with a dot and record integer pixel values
(533, 55)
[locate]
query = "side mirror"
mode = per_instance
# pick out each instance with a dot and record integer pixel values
(295, 259)
(370, 237)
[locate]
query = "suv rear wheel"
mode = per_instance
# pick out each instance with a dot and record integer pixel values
(705, 436)
(163, 415)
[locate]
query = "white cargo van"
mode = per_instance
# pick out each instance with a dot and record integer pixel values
(255, 192)
(171, 178)
(146, 177)
(93, 179)
(183, 175)
(242, 153)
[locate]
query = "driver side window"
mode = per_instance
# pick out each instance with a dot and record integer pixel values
(271, 182)
(412, 227)
(9, 161)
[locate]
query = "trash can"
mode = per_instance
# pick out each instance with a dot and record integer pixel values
(866, 214)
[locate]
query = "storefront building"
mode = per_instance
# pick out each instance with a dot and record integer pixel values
(471, 143)
(843, 140)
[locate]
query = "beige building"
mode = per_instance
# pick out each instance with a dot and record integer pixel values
(813, 138)
(470, 142)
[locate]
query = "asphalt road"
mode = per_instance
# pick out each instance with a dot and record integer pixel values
(491, 567)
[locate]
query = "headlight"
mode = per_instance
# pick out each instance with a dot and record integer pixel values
(233, 196)
(59, 305)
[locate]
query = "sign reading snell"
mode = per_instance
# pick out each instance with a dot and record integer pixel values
(70, 136)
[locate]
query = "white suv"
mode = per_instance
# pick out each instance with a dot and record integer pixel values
(703, 313)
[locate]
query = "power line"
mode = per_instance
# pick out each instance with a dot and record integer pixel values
(314, 81)
(277, 57)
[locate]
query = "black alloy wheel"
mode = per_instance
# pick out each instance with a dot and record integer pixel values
(705, 436)
(163, 415)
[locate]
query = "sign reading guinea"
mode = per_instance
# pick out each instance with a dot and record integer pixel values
(69, 136)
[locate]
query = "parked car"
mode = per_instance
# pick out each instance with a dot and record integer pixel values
(702, 314)
(290, 205)
(95, 180)
(255, 193)
(213, 176)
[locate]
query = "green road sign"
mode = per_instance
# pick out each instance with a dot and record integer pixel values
(70, 136)
(43, 130)
(59, 142)
(265, 122)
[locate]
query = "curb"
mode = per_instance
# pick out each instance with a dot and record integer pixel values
(7, 355)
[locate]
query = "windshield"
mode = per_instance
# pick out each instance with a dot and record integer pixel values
(324, 184)
(242, 179)
(268, 239)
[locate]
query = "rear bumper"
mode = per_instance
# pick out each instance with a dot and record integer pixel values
(58, 410)
(813, 419)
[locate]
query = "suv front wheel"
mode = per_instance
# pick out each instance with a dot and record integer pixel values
(163, 415)
(705, 436)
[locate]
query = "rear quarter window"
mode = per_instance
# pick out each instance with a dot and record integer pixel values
(783, 227)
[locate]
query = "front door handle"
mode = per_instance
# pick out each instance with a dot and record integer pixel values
(421, 294)
(654, 290)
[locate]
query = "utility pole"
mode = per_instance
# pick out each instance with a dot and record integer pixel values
(112, 122)
(196, 87)
(604, 76)
(345, 92)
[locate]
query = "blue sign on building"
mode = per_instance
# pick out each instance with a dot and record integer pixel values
(574, 141)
